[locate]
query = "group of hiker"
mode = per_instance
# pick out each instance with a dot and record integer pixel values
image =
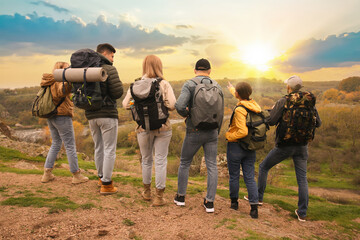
(201, 102)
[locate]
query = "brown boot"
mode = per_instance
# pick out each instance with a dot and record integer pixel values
(79, 178)
(159, 200)
(146, 194)
(99, 182)
(108, 188)
(48, 176)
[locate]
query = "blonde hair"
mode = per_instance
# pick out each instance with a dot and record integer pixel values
(152, 67)
(60, 65)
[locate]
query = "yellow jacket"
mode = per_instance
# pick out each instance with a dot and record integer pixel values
(238, 128)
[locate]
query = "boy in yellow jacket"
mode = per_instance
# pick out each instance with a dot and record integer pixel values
(236, 154)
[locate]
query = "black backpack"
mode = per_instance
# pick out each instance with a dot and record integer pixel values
(86, 95)
(148, 109)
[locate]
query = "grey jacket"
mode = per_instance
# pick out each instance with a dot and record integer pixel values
(184, 102)
(276, 117)
(111, 90)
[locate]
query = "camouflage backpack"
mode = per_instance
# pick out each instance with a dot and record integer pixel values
(298, 119)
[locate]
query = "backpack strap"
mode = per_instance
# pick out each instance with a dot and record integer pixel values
(233, 113)
(85, 81)
(248, 111)
(197, 81)
(64, 80)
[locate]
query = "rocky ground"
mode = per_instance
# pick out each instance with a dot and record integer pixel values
(126, 216)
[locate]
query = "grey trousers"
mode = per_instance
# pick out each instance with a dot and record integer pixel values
(158, 142)
(104, 132)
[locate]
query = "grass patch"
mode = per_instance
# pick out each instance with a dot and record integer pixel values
(54, 204)
(4, 168)
(87, 206)
(323, 210)
(224, 221)
(254, 236)
(231, 226)
(137, 182)
(128, 222)
(56, 172)
(3, 189)
(192, 190)
(121, 195)
(7, 154)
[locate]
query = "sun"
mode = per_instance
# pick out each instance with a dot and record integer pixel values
(258, 56)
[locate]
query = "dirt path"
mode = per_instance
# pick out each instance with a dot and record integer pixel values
(111, 216)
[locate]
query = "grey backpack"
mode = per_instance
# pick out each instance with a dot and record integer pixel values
(207, 110)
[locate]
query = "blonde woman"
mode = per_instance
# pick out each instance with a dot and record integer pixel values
(61, 128)
(156, 95)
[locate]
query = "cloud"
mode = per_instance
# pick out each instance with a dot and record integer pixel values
(194, 52)
(183, 26)
(334, 51)
(54, 7)
(31, 34)
(199, 40)
(141, 53)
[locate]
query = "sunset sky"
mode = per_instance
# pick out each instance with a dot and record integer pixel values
(317, 40)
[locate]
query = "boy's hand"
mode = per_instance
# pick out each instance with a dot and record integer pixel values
(229, 85)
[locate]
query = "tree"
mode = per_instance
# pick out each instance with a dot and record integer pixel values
(331, 94)
(350, 84)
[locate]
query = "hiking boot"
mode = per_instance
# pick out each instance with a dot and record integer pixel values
(107, 188)
(99, 182)
(234, 204)
(247, 199)
(48, 176)
(254, 211)
(159, 200)
(79, 178)
(179, 200)
(146, 194)
(300, 218)
(209, 206)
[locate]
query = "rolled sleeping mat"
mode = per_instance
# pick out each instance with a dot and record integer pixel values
(93, 74)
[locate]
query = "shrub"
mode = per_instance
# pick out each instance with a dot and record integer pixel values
(178, 135)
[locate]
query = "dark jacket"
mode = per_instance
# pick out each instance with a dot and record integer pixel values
(111, 90)
(276, 118)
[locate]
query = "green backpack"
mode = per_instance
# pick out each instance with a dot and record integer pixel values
(257, 126)
(43, 105)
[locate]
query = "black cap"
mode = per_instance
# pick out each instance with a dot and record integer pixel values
(202, 65)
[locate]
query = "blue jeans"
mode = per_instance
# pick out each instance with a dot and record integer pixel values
(62, 130)
(299, 155)
(192, 143)
(237, 156)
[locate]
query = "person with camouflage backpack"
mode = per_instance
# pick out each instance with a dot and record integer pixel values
(296, 118)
